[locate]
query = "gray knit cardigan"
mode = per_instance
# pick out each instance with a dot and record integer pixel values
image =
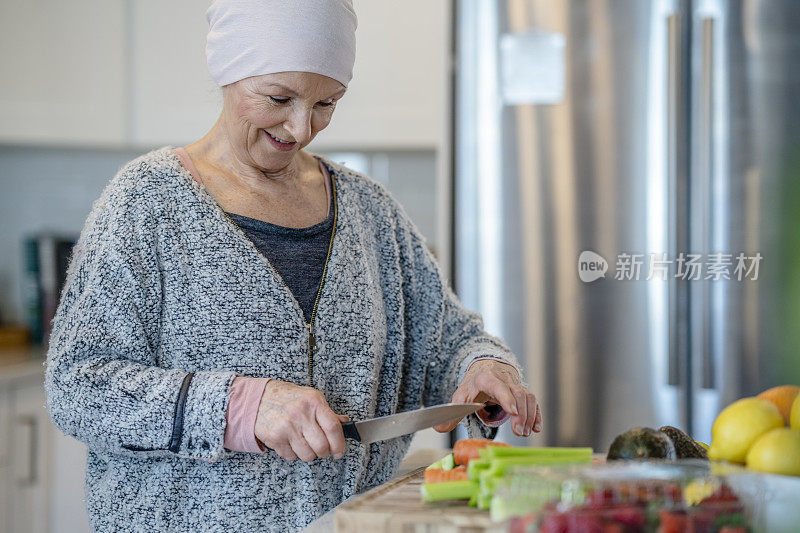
(166, 301)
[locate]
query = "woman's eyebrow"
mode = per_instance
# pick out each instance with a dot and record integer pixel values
(285, 88)
(292, 93)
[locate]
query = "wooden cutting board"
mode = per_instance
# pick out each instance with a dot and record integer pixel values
(397, 507)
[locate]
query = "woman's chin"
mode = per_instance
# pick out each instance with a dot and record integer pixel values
(274, 161)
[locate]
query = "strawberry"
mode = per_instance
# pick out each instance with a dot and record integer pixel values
(586, 523)
(598, 499)
(610, 527)
(673, 521)
(701, 521)
(555, 523)
(722, 494)
(630, 516)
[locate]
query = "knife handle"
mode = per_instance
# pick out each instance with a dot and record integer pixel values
(350, 431)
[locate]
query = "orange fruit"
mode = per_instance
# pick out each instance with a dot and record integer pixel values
(794, 417)
(783, 397)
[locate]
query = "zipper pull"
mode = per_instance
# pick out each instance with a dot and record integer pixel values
(312, 341)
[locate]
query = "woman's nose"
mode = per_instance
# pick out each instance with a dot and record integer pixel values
(299, 125)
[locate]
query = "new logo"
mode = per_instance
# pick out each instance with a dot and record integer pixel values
(591, 266)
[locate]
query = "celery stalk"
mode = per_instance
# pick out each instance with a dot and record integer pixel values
(476, 466)
(448, 490)
(501, 465)
(489, 483)
(484, 501)
(437, 464)
(498, 452)
(448, 462)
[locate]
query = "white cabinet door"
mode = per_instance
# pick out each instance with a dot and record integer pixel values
(5, 407)
(108, 72)
(397, 98)
(175, 100)
(64, 71)
(67, 500)
(29, 450)
(398, 95)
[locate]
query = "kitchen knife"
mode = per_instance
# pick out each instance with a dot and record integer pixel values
(390, 426)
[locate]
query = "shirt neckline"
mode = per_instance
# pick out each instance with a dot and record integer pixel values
(267, 227)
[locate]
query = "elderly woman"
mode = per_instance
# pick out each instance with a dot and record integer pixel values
(230, 303)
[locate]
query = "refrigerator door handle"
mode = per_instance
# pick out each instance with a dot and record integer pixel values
(706, 148)
(677, 222)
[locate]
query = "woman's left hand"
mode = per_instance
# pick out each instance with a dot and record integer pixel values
(488, 381)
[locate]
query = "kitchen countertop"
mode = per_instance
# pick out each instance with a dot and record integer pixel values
(324, 524)
(21, 363)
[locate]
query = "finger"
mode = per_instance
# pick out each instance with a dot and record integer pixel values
(462, 395)
(285, 451)
(538, 424)
(301, 448)
(521, 401)
(332, 427)
(501, 392)
(343, 418)
(533, 411)
(316, 439)
(281, 448)
(447, 426)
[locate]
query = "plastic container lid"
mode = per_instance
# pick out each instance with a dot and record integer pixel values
(663, 496)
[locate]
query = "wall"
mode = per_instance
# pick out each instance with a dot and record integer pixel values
(52, 189)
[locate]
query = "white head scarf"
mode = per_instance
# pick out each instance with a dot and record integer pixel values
(254, 37)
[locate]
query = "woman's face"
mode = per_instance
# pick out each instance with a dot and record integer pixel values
(269, 118)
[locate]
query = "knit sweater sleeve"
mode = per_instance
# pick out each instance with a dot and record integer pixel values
(103, 383)
(459, 337)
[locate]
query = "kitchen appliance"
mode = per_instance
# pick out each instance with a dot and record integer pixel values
(390, 426)
(595, 138)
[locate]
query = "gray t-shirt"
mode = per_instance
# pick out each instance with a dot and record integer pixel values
(298, 254)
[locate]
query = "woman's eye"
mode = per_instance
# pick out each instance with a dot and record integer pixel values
(278, 100)
(326, 104)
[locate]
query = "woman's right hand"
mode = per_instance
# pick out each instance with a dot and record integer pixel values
(297, 422)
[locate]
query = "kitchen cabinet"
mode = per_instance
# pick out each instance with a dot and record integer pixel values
(4, 460)
(395, 100)
(64, 72)
(41, 470)
(27, 472)
(399, 92)
(135, 74)
(174, 100)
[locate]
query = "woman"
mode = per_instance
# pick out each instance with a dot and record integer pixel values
(230, 303)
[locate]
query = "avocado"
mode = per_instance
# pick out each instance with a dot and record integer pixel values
(685, 447)
(641, 443)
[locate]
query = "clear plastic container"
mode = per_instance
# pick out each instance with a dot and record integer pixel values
(624, 497)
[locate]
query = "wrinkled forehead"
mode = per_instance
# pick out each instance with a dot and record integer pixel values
(309, 84)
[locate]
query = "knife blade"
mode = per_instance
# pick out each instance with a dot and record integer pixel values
(390, 426)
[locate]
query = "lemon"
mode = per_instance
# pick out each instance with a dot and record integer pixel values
(739, 425)
(777, 451)
(698, 490)
(794, 417)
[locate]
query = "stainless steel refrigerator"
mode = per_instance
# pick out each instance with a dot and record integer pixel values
(646, 134)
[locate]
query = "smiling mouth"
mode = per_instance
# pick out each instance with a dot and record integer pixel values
(279, 140)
